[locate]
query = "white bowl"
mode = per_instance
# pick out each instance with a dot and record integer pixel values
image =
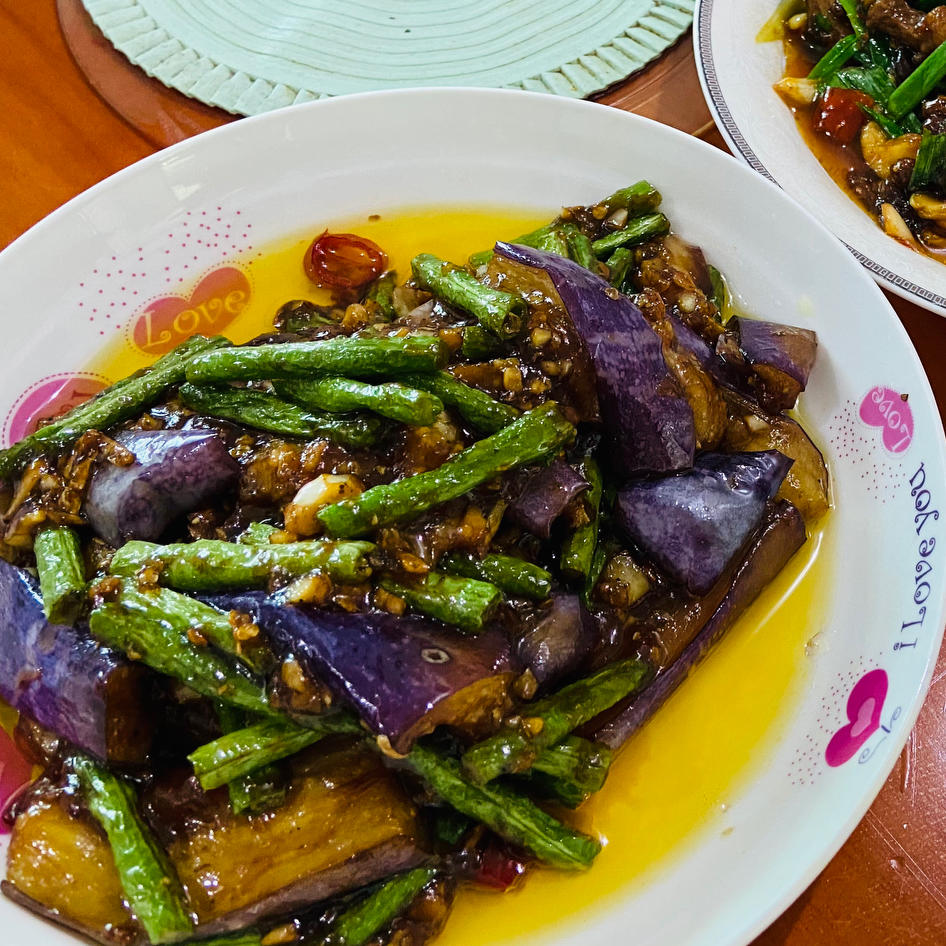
(737, 74)
(103, 258)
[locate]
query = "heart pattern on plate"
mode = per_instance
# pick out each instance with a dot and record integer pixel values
(215, 302)
(864, 706)
(889, 410)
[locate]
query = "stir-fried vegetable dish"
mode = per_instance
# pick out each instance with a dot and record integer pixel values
(304, 633)
(866, 78)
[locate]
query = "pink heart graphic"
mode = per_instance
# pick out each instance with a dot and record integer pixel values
(215, 302)
(864, 707)
(889, 410)
(47, 399)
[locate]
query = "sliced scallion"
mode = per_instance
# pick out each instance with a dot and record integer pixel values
(828, 65)
(930, 167)
(892, 129)
(857, 24)
(919, 83)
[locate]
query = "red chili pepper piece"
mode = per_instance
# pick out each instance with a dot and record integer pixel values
(498, 868)
(343, 261)
(838, 115)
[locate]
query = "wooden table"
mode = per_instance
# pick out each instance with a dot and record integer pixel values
(887, 885)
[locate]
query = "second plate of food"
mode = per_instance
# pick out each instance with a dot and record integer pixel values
(740, 57)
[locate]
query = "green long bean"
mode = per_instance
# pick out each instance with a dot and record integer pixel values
(61, 574)
(466, 603)
(475, 406)
(376, 911)
(342, 356)
(398, 401)
(185, 614)
(572, 770)
(147, 878)
(515, 749)
(501, 312)
(267, 412)
(159, 645)
(122, 400)
(533, 437)
(505, 811)
(513, 576)
(260, 790)
(212, 565)
(637, 230)
(243, 751)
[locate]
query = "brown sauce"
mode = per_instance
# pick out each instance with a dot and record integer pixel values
(838, 160)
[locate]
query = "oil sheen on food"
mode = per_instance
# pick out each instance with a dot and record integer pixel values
(675, 780)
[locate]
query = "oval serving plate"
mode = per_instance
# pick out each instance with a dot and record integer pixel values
(184, 224)
(737, 74)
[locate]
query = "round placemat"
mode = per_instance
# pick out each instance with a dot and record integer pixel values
(249, 56)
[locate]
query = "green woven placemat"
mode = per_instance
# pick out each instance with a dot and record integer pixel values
(249, 56)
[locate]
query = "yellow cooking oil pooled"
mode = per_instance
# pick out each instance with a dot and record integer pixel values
(674, 780)
(276, 273)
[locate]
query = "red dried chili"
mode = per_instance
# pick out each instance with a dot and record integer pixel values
(343, 261)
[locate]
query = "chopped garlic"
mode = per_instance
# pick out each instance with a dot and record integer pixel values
(797, 91)
(324, 490)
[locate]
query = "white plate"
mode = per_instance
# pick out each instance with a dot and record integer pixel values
(737, 74)
(211, 202)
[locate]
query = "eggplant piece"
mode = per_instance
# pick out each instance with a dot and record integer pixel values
(545, 496)
(553, 339)
(806, 485)
(693, 523)
(690, 259)
(645, 416)
(691, 626)
(174, 472)
(345, 823)
(699, 387)
(557, 640)
(62, 868)
(404, 675)
(64, 680)
(773, 360)
(691, 341)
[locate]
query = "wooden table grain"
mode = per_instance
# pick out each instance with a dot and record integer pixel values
(58, 136)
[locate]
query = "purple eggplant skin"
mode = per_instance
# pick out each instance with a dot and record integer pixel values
(774, 360)
(365, 868)
(545, 496)
(643, 411)
(693, 523)
(721, 371)
(701, 623)
(404, 675)
(691, 260)
(557, 639)
(807, 484)
(175, 472)
(65, 681)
